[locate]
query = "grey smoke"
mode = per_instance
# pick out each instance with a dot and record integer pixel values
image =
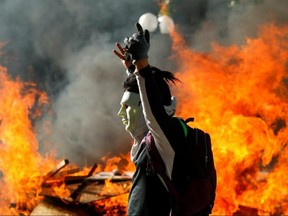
(227, 24)
(65, 46)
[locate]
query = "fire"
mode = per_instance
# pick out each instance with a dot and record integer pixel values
(116, 205)
(239, 95)
(118, 202)
(121, 162)
(21, 165)
(112, 197)
(24, 170)
(164, 8)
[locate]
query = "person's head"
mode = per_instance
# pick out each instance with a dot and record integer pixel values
(131, 107)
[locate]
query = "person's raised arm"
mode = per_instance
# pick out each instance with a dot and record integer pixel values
(150, 88)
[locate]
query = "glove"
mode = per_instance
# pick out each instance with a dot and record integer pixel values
(137, 46)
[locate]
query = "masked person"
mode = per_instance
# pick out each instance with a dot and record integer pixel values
(147, 107)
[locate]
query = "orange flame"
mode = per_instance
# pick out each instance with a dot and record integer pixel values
(118, 204)
(239, 95)
(121, 162)
(119, 200)
(21, 165)
(164, 8)
(23, 169)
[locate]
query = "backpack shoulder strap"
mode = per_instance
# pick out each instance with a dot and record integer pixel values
(183, 124)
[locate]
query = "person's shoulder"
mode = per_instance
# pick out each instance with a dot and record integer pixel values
(155, 68)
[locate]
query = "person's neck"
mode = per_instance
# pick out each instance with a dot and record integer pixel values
(138, 137)
(141, 63)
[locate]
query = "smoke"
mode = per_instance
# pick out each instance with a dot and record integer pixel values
(232, 22)
(65, 47)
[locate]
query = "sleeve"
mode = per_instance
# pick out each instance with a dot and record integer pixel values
(162, 126)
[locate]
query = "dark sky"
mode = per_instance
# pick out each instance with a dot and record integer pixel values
(65, 47)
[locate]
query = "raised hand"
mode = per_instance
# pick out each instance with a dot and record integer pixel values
(120, 54)
(137, 46)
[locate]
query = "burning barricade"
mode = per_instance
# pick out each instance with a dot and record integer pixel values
(99, 193)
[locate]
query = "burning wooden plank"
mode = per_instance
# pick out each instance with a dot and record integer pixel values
(53, 172)
(68, 179)
(68, 171)
(91, 185)
(91, 197)
(82, 193)
(59, 166)
(75, 195)
(99, 178)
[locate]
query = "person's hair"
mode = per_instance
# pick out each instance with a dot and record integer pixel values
(162, 78)
(130, 84)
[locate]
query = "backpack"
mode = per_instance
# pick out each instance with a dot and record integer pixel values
(193, 183)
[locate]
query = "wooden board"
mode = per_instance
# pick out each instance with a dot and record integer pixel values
(90, 194)
(53, 206)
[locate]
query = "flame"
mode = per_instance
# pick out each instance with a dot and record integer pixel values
(118, 202)
(22, 167)
(119, 197)
(164, 8)
(114, 206)
(61, 191)
(121, 162)
(239, 95)
(113, 197)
